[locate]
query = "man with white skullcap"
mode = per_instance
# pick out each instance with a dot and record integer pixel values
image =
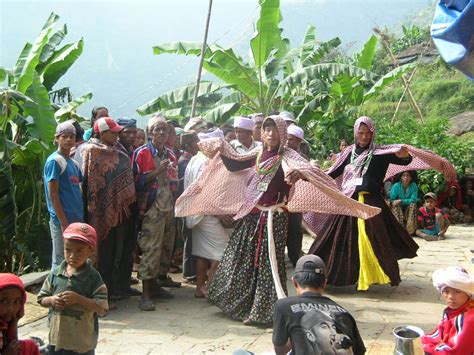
(244, 131)
(62, 179)
(295, 137)
(453, 335)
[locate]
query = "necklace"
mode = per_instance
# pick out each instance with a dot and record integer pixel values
(269, 169)
(364, 164)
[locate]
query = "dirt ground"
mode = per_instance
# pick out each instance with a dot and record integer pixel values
(185, 325)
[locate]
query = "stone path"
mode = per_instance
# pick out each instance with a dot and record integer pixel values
(186, 325)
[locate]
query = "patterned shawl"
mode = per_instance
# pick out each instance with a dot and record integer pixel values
(421, 160)
(219, 191)
(108, 186)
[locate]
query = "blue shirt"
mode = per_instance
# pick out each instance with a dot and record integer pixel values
(69, 188)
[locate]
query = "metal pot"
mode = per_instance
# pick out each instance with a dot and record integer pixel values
(407, 340)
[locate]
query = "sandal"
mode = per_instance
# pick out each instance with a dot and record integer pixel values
(146, 305)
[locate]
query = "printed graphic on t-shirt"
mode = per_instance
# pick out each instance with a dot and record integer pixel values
(323, 335)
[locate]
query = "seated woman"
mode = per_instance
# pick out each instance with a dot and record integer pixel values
(403, 199)
(450, 203)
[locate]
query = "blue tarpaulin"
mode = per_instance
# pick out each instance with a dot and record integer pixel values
(452, 31)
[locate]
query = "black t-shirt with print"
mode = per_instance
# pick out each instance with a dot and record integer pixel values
(315, 325)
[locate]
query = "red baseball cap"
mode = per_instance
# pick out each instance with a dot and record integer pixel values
(106, 124)
(81, 232)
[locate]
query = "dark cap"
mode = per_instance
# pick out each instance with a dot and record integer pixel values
(188, 138)
(310, 263)
(430, 195)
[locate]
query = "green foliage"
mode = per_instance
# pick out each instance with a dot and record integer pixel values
(432, 136)
(27, 126)
(411, 36)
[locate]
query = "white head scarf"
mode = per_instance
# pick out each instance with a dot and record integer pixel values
(244, 123)
(296, 131)
(217, 133)
(455, 277)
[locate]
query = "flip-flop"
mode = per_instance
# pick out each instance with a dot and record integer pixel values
(146, 305)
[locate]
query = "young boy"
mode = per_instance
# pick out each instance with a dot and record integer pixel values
(432, 225)
(75, 293)
(62, 178)
(12, 308)
(453, 335)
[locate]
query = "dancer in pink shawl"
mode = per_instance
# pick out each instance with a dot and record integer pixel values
(259, 187)
(367, 252)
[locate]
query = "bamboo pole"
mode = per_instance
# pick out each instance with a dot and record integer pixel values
(405, 82)
(203, 52)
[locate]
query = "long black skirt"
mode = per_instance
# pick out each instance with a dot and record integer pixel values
(338, 244)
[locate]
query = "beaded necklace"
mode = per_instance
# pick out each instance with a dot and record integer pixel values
(363, 165)
(270, 169)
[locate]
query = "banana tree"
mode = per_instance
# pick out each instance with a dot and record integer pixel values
(27, 124)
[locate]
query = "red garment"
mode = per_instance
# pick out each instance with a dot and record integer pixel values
(453, 335)
(10, 329)
(445, 194)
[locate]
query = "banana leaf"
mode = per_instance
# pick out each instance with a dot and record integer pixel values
(44, 124)
(367, 55)
(325, 70)
(60, 63)
(316, 55)
(175, 98)
(268, 32)
(231, 69)
(66, 112)
(186, 48)
(309, 40)
(50, 47)
(3, 74)
(28, 60)
(8, 209)
(387, 79)
(222, 113)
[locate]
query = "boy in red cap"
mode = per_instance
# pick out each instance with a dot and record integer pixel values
(76, 294)
(12, 308)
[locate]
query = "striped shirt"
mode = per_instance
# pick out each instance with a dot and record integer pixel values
(74, 328)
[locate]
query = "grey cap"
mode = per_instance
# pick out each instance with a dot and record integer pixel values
(65, 128)
(310, 263)
(430, 195)
(287, 116)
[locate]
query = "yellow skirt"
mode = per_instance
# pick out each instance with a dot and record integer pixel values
(370, 271)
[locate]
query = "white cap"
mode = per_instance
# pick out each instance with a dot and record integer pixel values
(296, 131)
(217, 133)
(244, 123)
(287, 116)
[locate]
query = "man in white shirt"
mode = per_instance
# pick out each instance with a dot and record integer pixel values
(244, 131)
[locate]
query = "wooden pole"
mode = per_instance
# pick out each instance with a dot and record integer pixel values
(203, 53)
